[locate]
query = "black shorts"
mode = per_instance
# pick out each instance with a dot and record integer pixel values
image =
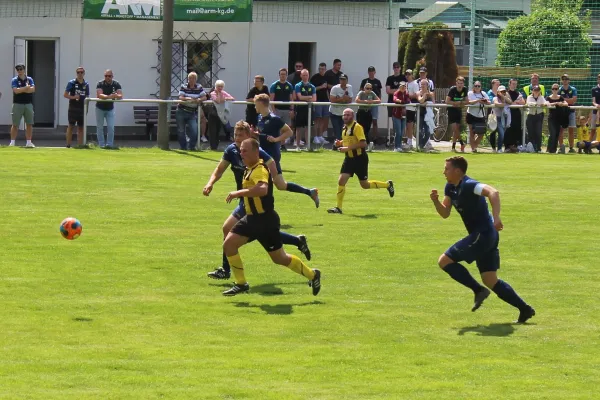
(471, 119)
(411, 116)
(262, 227)
(301, 120)
(454, 116)
(356, 165)
(75, 116)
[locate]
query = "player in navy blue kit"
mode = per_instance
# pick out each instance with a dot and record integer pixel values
(272, 132)
(481, 245)
(76, 91)
(233, 158)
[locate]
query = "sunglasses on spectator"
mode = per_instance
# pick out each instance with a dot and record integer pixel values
(554, 88)
(476, 85)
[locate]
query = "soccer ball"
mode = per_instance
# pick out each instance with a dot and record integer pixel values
(70, 228)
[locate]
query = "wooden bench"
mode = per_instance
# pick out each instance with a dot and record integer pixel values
(148, 115)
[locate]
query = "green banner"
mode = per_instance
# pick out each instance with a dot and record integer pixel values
(184, 10)
(213, 10)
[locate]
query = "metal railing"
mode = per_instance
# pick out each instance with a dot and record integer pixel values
(354, 106)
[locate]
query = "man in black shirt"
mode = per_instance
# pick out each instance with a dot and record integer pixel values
(392, 83)
(457, 98)
(295, 78)
(322, 111)
(76, 91)
(259, 88)
(376, 86)
(333, 75)
(108, 89)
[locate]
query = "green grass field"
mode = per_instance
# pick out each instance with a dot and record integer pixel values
(127, 312)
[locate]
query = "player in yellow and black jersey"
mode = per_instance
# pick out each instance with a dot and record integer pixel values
(356, 161)
(586, 140)
(261, 223)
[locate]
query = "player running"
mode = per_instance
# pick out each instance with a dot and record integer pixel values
(481, 245)
(233, 158)
(261, 222)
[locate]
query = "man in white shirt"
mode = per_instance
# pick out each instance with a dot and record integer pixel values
(411, 111)
(423, 76)
(340, 94)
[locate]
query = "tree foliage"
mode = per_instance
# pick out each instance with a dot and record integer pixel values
(554, 35)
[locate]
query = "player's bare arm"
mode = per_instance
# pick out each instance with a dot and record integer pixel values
(216, 175)
(494, 198)
(259, 190)
(443, 209)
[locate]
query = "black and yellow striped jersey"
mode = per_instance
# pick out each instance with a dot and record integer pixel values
(253, 175)
(353, 134)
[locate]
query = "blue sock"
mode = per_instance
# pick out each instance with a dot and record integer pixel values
(286, 238)
(226, 266)
(292, 187)
(508, 294)
(461, 275)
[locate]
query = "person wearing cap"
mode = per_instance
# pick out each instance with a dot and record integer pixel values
(376, 88)
(535, 118)
(23, 89)
(341, 94)
(76, 91)
(392, 84)
(501, 101)
(570, 94)
(535, 81)
(363, 115)
(399, 115)
(423, 76)
(457, 98)
(411, 112)
(596, 103)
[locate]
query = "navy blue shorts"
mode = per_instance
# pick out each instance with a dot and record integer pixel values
(481, 247)
(239, 211)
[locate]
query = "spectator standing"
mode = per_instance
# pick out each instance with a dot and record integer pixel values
(457, 98)
(304, 91)
(364, 116)
(341, 94)
(321, 111)
(570, 94)
(513, 134)
(392, 84)
(558, 117)
(595, 103)
(495, 84)
(282, 90)
(187, 113)
(411, 111)
(76, 91)
(334, 74)
(107, 89)
(295, 78)
(259, 88)
(219, 97)
(426, 119)
(501, 102)
(23, 89)
(423, 77)
(535, 118)
(376, 88)
(476, 114)
(399, 115)
(535, 81)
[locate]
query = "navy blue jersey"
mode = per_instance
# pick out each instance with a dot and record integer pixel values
(471, 206)
(232, 156)
(270, 126)
(74, 87)
(22, 98)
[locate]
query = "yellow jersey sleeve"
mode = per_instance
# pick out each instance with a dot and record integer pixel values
(260, 174)
(359, 133)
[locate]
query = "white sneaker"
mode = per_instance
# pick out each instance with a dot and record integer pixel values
(398, 150)
(203, 139)
(500, 151)
(370, 149)
(11, 144)
(301, 144)
(30, 145)
(428, 146)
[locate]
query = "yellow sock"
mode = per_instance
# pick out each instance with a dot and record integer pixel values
(238, 269)
(340, 196)
(378, 185)
(300, 268)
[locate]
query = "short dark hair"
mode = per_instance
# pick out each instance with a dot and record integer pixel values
(459, 162)
(20, 66)
(396, 64)
(337, 60)
(323, 65)
(283, 69)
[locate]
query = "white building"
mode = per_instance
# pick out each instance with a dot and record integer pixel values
(54, 40)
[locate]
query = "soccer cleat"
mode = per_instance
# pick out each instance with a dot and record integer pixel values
(391, 189)
(303, 247)
(237, 289)
(479, 298)
(314, 194)
(315, 284)
(220, 274)
(334, 210)
(524, 315)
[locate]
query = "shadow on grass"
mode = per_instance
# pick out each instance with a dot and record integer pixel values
(195, 154)
(285, 226)
(82, 319)
(277, 309)
(499, 330)
(266, 289)
(367, 216)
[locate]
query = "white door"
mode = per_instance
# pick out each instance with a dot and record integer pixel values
(20, 58)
